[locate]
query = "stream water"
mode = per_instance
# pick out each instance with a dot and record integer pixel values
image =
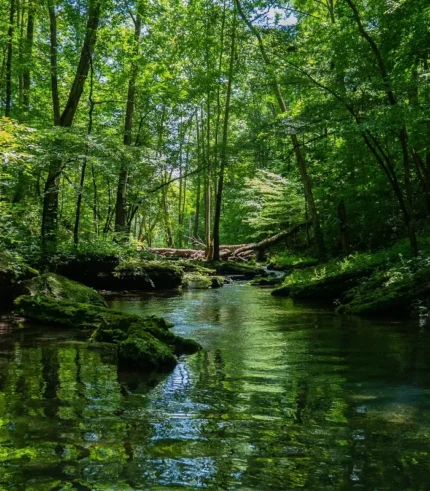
(283, 397)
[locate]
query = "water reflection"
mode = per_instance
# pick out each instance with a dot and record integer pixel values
(284, 397)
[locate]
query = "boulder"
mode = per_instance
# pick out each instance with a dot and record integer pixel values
(197, 281)
(61, 288)
(271, 280)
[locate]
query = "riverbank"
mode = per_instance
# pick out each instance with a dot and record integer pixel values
(387, 281)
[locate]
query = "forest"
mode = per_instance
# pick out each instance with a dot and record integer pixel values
(189, 145)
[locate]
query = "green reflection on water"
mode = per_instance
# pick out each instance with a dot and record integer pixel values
(283, 397)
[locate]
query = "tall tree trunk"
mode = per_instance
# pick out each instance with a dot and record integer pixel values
(301, 162)
(199, 160)
(84, 165)
(402, 132)
(28, 55)
(54, 66)
(9, 53)
(50, 202)
(224, 157)
(343, 228)
(121, 199)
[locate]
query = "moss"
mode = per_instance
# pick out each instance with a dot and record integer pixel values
(61, 288)
(217, 281)
(107, 325)
(190, 266)
(197, 281)
(266, 280)
(330, 280)
(145, 352)
(289, 261)
(390, 290)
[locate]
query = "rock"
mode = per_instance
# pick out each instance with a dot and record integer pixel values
(390, 291)
(326, 288)
(142, 342)
(267, 280)
(217, 281)
(197, 281)
(147, 275)
(61, 288)
(107, 272)
(13, 270)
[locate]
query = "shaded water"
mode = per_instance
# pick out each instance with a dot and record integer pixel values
(284, 397)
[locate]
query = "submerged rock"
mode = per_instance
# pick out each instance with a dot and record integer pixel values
(13, 270)
(61, 288)
(142, 342)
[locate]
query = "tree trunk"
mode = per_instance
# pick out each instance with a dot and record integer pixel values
(9, 59)
(84, 166)
(224, 157)
(343, 228)
(28, 55)
(50, 202)
(121, 199)
(402, 134)
(301, 162)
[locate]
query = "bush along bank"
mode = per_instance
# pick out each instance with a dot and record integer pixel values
(388, 281)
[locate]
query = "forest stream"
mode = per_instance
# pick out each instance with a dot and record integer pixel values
(282, 397)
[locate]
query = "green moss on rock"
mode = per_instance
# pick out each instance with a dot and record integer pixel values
(61, 288)
(158, 344)
(267, 280)
(145, 352)
(390, 290)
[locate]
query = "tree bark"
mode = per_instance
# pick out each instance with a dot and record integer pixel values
(402, 133)
(28, 55)
(343, 228)
(224, 156)
(9, 53)
(121, 198)
(301, 162)
(51, 192)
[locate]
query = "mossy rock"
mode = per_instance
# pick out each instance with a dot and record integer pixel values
(108, 272)
(217, 281)
(190, 266)
(61, 288)
(267, 280)
(158, 344)
(145, 352)
(197, 281)
(389, 291)
(326, 288)
(13, 270)
(147, 275)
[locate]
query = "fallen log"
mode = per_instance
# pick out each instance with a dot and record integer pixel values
(260, 247)
(239, 252)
